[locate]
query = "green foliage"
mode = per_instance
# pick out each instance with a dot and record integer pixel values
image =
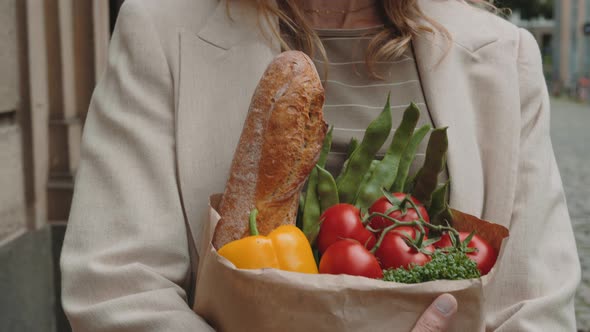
(529, 8)
(454, 265)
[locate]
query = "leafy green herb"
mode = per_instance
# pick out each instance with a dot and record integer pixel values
(454, 265)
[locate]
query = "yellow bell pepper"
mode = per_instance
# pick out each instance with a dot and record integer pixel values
(285, 248)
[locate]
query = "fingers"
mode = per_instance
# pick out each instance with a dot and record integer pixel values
(437, 317)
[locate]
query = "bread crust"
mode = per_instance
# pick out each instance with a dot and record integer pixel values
(279, 146)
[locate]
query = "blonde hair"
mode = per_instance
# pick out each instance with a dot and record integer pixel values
(402, 20)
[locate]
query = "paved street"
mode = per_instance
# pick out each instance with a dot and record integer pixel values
(570, 131)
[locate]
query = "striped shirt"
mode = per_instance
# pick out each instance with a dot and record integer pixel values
(354, 98)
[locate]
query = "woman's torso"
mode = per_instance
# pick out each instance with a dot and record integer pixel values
(355, 96)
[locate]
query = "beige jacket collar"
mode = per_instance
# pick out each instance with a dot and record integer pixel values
(234, 23)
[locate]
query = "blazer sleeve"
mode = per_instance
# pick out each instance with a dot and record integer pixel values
(125, 259)
(540, 271)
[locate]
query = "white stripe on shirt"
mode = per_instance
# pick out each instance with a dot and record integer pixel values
(372, 85)
(358, 62)
(374, 107)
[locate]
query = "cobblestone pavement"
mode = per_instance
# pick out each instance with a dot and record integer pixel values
(570, 131)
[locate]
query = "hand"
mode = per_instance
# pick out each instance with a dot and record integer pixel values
(437, 317)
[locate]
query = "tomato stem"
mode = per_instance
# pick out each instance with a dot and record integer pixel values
(415, 207)
(420, 224)
(396, 203)
(382, 236)
(253, 227)
(397, 222)
(365, 216)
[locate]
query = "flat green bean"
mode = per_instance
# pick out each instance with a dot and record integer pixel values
(410, 182)
(311, 210)
(327, 190)
(385, 173)
(299, 219)
(326, 146)
(367, 176)
(408, 158)
(439, 206)
(352, 145)
(427, 178)
(359, 162)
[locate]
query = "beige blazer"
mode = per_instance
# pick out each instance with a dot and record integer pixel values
(166, 117)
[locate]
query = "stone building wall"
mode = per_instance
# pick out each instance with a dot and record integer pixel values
(51, 54)
(27, 285)
(12, 208)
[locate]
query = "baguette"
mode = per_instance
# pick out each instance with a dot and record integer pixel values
(279, 146)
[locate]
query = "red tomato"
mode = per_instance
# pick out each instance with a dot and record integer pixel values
(484, 255)
(394, 252)
(343, 221)
(382, 205)
(350, 257)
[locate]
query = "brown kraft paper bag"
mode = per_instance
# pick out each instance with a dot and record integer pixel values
(231, 299)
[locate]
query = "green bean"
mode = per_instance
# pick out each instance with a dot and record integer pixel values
(326, 147)
(316, 255)
(427, 178)
(327, 190)
(439, 207)
(311, 211)
(367, 176)
(384, 174)
(410, 182)
(359, 162)
(408, 158)
(299, 218)
(352, 145)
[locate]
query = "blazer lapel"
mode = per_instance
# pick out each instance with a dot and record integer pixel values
(235, 23)
(445, 90)
(483, 131)
(219, 70)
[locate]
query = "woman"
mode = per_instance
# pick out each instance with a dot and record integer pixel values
(166, 117)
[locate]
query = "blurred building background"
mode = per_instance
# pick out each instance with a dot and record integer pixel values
(53, 51)
(572, 52)
(562, 28)
(51, 54)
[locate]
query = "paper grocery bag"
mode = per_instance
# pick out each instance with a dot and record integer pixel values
(231, 299)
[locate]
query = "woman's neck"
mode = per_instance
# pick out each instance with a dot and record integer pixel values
(344, 14)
